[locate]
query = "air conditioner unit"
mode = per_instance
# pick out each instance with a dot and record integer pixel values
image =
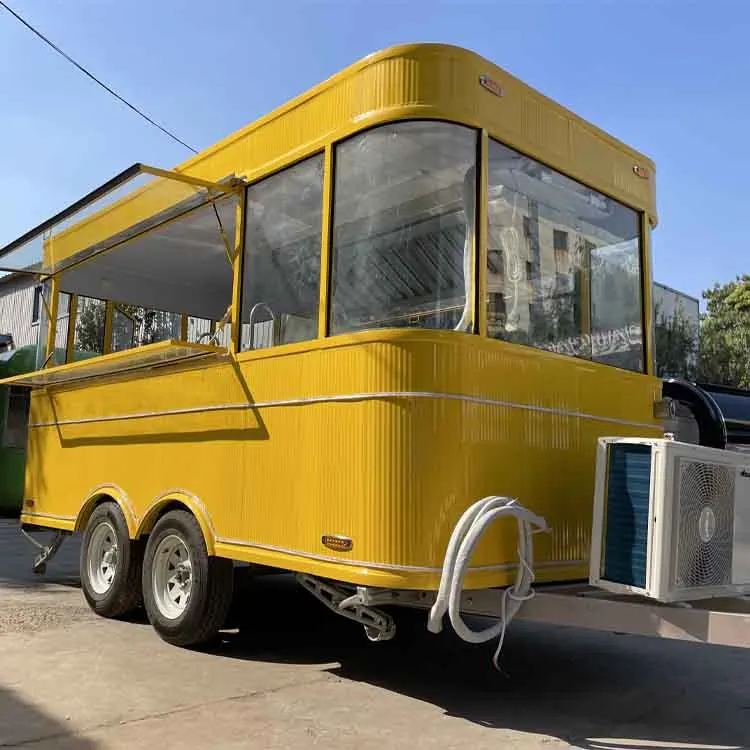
(671, 520)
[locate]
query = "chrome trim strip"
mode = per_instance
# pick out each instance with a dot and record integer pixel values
(346, 398)
(388, 566)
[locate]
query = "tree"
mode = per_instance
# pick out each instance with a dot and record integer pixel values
(724, 356)
(132, 325)
(90, 325)
(676, 344)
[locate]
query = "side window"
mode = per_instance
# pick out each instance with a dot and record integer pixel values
(204, 331)
(564, 270)
(166, 325)
(16, 417)
(134, 326)
(88, 337)
(281, 277)
(123, 328)
(404, 227)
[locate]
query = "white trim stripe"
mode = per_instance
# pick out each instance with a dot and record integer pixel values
(348, 398)
(389, 566)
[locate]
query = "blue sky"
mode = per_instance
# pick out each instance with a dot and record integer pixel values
(668, 77)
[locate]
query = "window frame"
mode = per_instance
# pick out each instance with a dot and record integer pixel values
(644, 293)
(71, 337)
(321, 152)
(485, 136)
(478, 249)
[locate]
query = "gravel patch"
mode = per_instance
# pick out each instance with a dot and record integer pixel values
(19, 616)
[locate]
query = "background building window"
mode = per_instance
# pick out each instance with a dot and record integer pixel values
(560, 245)
(37, 304)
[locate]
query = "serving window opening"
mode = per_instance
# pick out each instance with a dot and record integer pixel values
(141, 265)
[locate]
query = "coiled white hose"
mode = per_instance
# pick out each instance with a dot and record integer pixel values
(464, 539)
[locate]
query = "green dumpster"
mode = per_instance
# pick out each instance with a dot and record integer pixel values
(14, 411)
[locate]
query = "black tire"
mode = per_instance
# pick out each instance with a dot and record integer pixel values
(124, 593)
(210, 597)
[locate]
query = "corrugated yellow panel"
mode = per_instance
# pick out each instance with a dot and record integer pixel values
(545, 126)
(384, 437)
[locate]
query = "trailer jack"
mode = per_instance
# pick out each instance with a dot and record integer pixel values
(46, 551)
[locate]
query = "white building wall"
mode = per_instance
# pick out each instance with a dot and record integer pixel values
(16, 308)
(668, 301)
(17, 311)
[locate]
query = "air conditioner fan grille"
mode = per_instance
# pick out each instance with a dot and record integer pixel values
(705, 525)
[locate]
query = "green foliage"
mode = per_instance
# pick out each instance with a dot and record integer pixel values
(725, 334)
(90, 325)
(131, 326)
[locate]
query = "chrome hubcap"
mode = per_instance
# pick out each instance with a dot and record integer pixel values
(172, 577)
(102, 558)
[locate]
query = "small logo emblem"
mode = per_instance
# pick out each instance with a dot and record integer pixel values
(640, 171)
(491, 86)
(707, 525)
(337, 543)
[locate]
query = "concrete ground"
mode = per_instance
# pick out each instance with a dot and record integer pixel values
(292, 675)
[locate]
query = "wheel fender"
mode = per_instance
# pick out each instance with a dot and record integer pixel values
(108, 492)
(192, 503)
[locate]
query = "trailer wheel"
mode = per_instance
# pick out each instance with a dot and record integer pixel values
(187, 593)
(110, 563)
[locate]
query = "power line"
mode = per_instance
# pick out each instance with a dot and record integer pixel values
(94, 78)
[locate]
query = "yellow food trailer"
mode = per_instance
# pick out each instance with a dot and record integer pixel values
(418, 285)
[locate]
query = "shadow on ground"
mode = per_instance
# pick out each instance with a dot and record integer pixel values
(581, 687)
(22, 723)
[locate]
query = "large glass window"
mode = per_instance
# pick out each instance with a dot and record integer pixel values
(403, 227)
(281, 278)
(564, 270)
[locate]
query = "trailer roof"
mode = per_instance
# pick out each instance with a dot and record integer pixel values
(402, 82)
